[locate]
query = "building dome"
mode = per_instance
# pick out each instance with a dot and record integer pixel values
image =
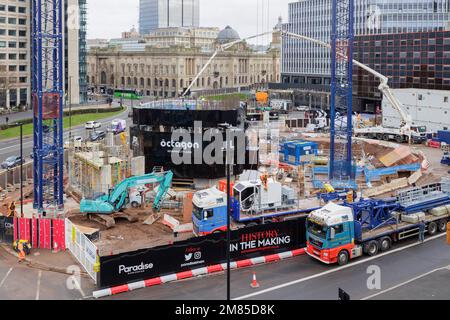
(227, 35)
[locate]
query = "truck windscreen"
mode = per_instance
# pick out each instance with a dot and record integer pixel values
(317, 229)
(198, 212)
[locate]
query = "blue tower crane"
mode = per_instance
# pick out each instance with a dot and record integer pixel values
(342, 172)
(47, 99)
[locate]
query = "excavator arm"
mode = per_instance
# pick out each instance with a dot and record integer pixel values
(116, 199)
(164, 186)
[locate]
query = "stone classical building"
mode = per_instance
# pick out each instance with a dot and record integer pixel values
(165, 72)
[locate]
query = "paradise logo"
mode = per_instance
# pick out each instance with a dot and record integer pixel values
(135, 269)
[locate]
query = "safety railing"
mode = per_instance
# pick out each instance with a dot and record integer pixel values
(82, 249)
(419, 195)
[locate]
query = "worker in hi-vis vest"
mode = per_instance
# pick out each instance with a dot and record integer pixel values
(21, 250)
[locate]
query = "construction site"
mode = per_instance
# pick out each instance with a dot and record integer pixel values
(150, 190)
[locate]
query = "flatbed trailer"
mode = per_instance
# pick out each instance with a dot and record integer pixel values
(404, 230)
(339, 233)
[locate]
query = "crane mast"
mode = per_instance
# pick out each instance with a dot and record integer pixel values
(47, 103)
(341, 165)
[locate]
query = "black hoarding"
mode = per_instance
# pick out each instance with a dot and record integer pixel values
(195, 253)
(7, 229)
(186, 118)
(158, 149)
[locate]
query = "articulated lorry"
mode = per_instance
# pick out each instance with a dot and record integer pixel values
(338, 233)
(253, 202)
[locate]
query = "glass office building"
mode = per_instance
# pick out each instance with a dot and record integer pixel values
(306, 64)
(154, 14)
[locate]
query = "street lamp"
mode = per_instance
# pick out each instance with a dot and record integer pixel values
(228, 242)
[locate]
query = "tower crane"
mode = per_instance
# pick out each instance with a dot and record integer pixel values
(47, 101)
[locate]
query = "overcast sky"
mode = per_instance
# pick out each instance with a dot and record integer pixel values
(108, 18)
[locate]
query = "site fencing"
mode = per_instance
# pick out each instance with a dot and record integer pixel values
(41, 233)
(82, 249)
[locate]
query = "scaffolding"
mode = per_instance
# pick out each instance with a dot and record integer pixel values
(47, 94)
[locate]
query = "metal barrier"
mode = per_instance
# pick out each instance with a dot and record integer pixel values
(445, 185)
(419, 195)
(82, 249)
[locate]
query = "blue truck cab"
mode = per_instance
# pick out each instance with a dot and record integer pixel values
(331, 231)
(209, 214)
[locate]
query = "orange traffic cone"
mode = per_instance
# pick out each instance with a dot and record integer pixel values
(254, 283)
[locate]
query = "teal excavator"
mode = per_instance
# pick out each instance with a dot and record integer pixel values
(107, 206)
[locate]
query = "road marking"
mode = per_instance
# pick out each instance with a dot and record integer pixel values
(79, 287)
(406, 282)
(6, 276)
(38, 284)
(281, 286)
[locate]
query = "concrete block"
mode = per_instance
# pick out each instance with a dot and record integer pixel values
(138, 166)
(413, 218)
(439, 212)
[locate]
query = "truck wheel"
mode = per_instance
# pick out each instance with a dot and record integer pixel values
(432, 228)
(385, 137)
(399, 139)
(385, 244)
(372, 248)
(343, 258)
(442, 226)
(379, 136)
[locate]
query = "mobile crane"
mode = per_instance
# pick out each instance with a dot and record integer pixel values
(406, 132)
(103, 207)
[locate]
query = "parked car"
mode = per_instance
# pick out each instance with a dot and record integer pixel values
(92, 125)
(12, 162)
(98, 136)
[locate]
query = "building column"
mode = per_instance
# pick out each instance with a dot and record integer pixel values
(30, 105)
(7, 99)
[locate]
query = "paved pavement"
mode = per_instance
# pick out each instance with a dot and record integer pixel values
(20, 282)
(12, 148)
(304, 278)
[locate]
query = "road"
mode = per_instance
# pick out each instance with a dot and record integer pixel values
(304, 278)
(12, 147)
(20, 282)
